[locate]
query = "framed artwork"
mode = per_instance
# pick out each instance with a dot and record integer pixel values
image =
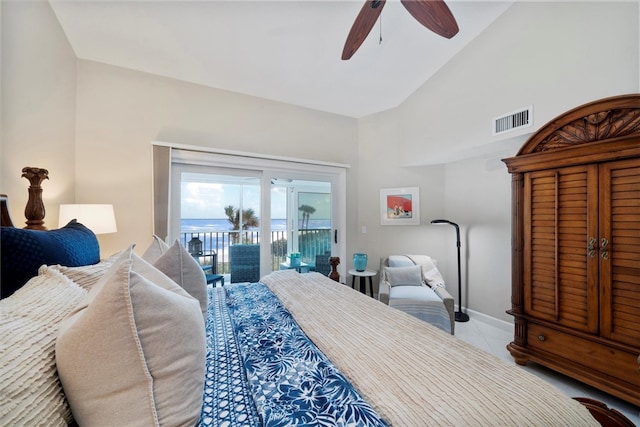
(400, 206)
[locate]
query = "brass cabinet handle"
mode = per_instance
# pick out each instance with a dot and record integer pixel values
(592, 247)
(541, 338)
(604, 251)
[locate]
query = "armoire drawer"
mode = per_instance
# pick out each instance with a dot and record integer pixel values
(584, 352)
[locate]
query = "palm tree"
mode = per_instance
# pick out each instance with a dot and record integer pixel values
(249, 219)
(307, 211)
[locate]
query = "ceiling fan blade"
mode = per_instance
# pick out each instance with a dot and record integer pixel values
(433, 14)
(361, 27)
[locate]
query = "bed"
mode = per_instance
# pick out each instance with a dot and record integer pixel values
(292, 349)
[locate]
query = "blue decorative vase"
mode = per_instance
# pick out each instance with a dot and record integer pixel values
(360, 261)
(294, 259)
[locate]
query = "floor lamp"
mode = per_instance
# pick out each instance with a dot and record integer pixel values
(460, 316)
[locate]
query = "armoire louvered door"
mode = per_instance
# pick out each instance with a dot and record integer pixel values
(575, 292)
(561, 208)
(619, 251)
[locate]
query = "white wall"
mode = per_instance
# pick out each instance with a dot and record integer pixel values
(553, 55)
(380, 166)
(121, 111)
(38, 78)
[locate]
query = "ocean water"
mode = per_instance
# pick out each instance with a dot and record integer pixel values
(211, 225)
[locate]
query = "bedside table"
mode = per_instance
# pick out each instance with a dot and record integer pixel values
(363, 277)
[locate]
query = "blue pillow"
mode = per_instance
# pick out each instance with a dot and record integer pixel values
(24, 251)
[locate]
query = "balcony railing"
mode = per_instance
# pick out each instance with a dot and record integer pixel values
(311, 242)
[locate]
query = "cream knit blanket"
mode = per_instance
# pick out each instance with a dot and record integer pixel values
(412, 373)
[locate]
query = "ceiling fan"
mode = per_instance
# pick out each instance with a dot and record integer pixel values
(433, 14)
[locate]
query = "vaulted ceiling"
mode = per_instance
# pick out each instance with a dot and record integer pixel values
(286, 51)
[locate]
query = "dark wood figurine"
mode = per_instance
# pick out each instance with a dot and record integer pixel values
(34, 211)
(334, 275)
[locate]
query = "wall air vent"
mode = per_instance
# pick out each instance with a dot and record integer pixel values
(513, 121)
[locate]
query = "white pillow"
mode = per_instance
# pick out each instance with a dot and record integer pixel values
(155, 250)
(88, 275)
(30, 390)
(402, 276)
(180, 266)
(133, 352)
(400, 261)
(430, 271)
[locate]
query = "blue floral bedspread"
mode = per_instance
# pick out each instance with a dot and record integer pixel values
(227, 400)
(263, 370)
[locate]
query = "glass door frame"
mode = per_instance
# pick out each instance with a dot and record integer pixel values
(267, 168)
(293, 213)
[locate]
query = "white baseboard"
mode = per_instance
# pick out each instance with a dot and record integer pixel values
(493, 321)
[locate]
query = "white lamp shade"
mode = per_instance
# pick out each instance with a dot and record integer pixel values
(98, 218)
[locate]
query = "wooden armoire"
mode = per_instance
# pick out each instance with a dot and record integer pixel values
(576, 246)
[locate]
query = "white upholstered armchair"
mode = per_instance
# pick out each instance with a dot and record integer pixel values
(413, 284)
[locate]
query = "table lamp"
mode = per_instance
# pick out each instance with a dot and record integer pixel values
(98, 218)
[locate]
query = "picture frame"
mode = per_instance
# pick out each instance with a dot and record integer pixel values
(400, 206)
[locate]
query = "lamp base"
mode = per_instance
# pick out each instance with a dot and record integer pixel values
(461, 317)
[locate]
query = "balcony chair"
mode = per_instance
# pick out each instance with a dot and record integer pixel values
(211, 271)
(322, 264)
(413, 284)
(244, 263)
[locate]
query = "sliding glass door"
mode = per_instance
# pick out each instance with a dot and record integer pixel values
(218, 211)
(301, 213)
(282, 210)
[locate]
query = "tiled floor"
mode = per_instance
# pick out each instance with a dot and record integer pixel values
(493, 336)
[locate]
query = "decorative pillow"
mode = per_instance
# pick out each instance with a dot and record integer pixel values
(29, 319)
(398, 276)
(400, 261)
(24, 251)
(155, 250)
(430, 271)
(180, 266)
(133, 351)
(88, 275)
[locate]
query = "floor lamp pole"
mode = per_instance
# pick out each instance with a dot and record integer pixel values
(459, 315)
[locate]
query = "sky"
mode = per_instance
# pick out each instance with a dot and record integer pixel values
(207, 200)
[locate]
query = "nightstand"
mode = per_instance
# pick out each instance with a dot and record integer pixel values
(363, 277)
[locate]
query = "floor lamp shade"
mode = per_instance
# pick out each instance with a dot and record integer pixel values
(98, 218)
(459, 315)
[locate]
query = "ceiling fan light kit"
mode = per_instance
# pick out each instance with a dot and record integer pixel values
(433, 14)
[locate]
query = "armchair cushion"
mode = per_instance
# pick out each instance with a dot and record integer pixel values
(403, 276)
(416, 293)
(423, 303)
(399, 261)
